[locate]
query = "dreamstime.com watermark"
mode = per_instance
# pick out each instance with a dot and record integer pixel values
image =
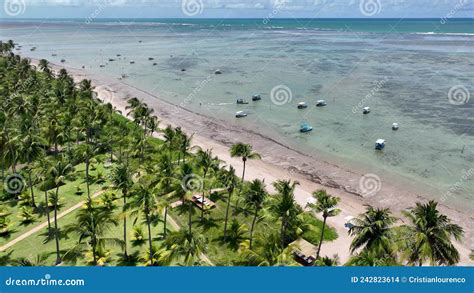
(45, 281)
(278, 6)
(100, 7)
(458, 185)
(379, 84)
(192, 7)
(459, 6)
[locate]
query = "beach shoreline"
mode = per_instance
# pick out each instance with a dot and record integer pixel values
(279, 162)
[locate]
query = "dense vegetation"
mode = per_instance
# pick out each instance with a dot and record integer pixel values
(112, 193)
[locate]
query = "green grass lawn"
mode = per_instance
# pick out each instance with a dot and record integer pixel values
(68, 197)
(35, 244)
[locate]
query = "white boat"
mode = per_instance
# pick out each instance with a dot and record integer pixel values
(395, 126)
(321, 103)
(240, 114)
(366, 110)
(132, 62)
(302, 105)
(380, 144)
(218, 71)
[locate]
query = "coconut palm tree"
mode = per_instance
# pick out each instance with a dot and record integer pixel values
(122, 180)
(245, 152)
(143, 202)
(372, 231)
(430, 235)
(31, 147)
(183, 245)
(206, 162)
(326, 204)
(285, 208)
(92, 225)
(327, 261)
(267, 251)
(86, 151)
(58, 171)
(367, 258)
(230, 181)
(254, 197)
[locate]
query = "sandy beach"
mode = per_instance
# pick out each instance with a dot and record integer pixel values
(280, 162)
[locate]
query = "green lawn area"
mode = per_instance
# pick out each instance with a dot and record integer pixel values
(68, 197)
(35, 245)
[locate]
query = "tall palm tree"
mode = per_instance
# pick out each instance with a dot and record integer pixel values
(205, 161)
(230, 181)
(143, 201)
(86, 151)
(429, 236)
(122, 180)
(92, 225)
(268, 251)
(285, 207)
(254, 198)
(245, 152)
(326, 204)
(31, 147)
(42, 171)
(58, 171)
(372, 231)
(184, 245)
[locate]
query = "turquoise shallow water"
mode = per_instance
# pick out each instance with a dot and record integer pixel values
(403, 71)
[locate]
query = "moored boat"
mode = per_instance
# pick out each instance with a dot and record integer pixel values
(241, 102)
(240, 114)
(305, 127)
(302, 105)
(380, 144)
(366, 110)
(395, 126)
(256, 98)
(321, 103)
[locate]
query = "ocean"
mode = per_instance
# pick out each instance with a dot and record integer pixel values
(418, 73)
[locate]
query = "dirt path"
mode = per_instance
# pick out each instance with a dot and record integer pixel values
(45, 224)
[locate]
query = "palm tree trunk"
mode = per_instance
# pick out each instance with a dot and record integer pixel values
(243, 173)
(282, 233)
(321, 239)
(47, 207)
(165, 222)
(33, 203)
(253, 226)
(190, 216)
(56, 231)
(94, 253)
(203, 193)
(149, 237)
(89, 202)
(124, 192)
(227, 214)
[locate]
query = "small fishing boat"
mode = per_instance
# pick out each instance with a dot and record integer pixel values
(101, 65)
(154, 64)
(183, 70)
(111, 60)
(395, 126)
(33, 49)
(119, 55)
(321, 103)
(241, 102)
(380, 144)
(218, 71)
(132, 62)
(366, 110)
(305, 127)
(54, 55)
(240, 114)
(151, 59)
(122, 76)
(256, 98)
(63, 60)
(302, 105)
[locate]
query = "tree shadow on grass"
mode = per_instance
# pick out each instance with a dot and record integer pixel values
(132, 260)
(207, 223)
